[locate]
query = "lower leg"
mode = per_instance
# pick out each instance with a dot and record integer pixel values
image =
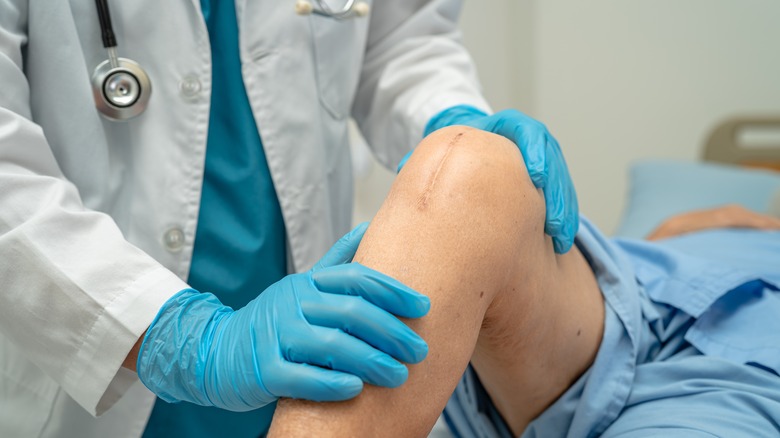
(464, 225)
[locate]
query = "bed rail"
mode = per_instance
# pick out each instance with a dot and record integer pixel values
(746, 141)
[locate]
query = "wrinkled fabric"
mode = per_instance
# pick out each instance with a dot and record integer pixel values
(690, 344)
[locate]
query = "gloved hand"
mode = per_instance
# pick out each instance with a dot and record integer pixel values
(542, 156)
(316, 335)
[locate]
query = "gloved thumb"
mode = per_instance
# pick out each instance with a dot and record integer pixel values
(403, 161)
(342, 251)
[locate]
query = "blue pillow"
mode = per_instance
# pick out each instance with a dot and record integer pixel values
(661, 189)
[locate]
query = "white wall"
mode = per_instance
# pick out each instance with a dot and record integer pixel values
(621, 80)
(505, 79)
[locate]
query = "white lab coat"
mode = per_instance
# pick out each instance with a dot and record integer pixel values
(92, 211)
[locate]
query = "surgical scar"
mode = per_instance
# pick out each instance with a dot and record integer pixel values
(422, 201)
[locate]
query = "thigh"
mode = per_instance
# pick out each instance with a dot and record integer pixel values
(532, 348)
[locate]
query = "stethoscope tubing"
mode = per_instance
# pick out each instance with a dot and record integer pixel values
(106, 28)
(120, 86)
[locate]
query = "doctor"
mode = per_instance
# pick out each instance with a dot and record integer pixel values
(178, 252)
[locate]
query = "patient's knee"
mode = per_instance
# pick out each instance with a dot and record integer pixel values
(463, 167)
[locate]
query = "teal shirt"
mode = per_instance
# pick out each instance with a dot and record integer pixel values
(240, 241)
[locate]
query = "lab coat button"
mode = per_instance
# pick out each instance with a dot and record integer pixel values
(173, 239)
(190, 86)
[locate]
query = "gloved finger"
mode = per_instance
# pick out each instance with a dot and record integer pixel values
(554, 207)
(571, 222)
(532, 143)
(403, 161)
(562, 220)
(505, 123)
(344, 249)
(564, 240)
(365, 321)
(377, 288)
(336, 350)
(310, 382)
(528, 134)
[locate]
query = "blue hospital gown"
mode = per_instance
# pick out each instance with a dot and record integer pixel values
(691, 344)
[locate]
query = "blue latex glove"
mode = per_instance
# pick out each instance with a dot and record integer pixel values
(316, 335)
(542, 156)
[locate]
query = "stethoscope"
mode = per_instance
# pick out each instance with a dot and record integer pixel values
(351, 9)
(122, 88)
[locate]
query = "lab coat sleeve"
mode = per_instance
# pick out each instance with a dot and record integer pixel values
(414, 67)
(75, 295)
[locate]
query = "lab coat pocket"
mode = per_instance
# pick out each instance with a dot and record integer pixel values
(338, 55)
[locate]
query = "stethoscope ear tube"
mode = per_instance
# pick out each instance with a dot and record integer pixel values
(120, 87)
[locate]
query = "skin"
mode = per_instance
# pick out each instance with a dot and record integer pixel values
(728, 216)
(464, 225)
(132, 357)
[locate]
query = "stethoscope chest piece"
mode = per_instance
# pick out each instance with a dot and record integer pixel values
(121, 89)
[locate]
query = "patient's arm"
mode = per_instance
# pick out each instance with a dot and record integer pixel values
(463, 224)
(727, 216)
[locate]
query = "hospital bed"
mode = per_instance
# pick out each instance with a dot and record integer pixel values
(740, 165)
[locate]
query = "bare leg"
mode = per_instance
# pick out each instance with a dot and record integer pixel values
(463, 224)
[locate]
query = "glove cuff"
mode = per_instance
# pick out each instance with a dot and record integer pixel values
(171, 359)
(453, 116)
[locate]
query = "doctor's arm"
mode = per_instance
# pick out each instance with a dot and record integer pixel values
(77, 297)
(727, 216)
(417, 77)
